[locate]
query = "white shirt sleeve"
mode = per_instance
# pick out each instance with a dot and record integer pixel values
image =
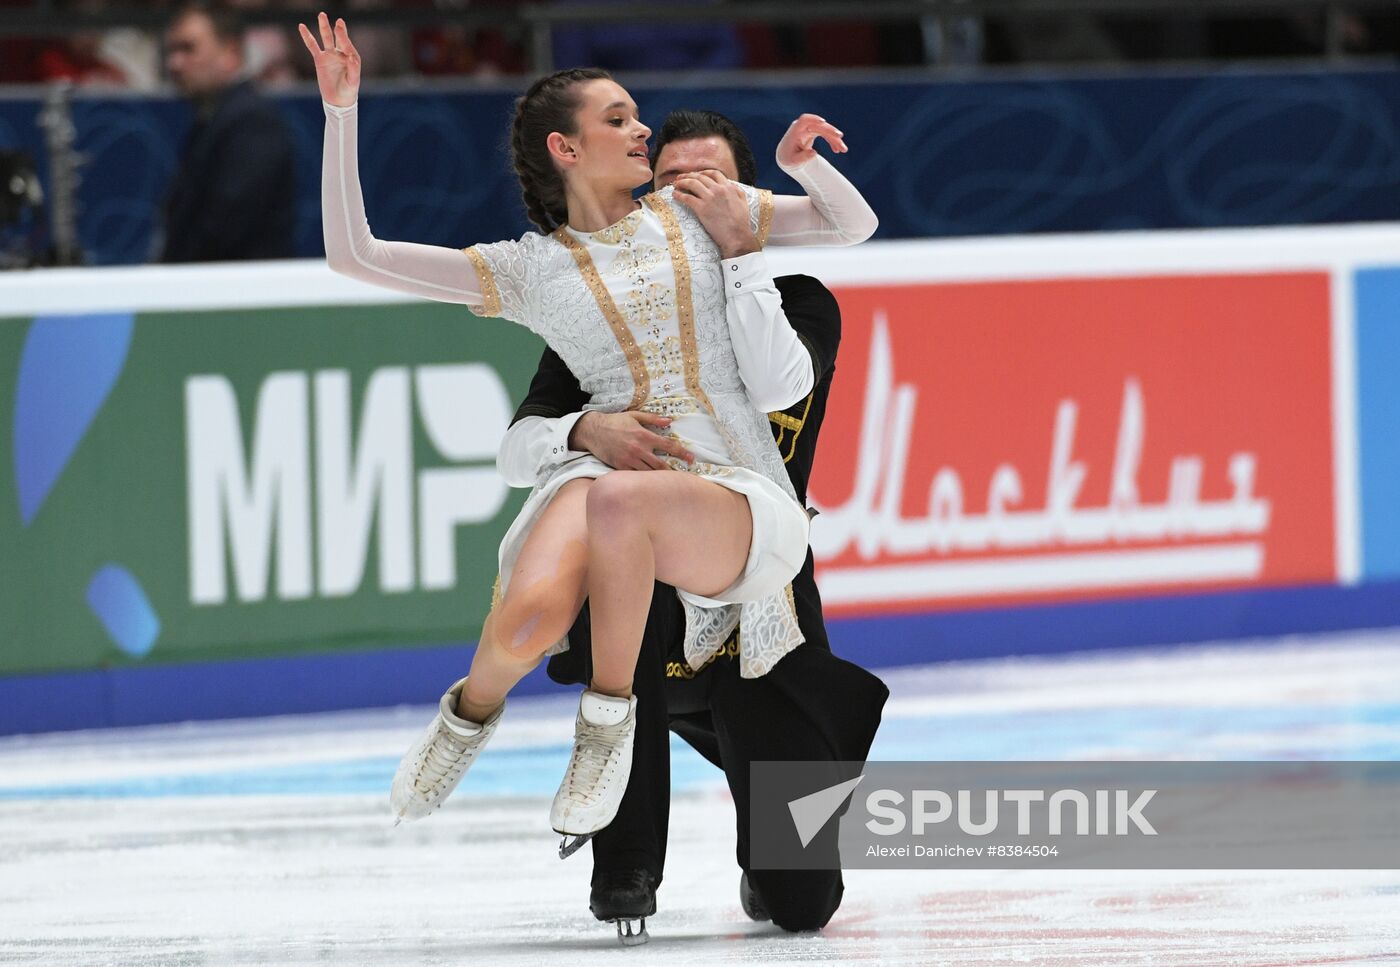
(430, 271)
(533, 445)
(775, 366)
(833, 213)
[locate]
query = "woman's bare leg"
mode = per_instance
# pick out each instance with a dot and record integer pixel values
(547, 589)
(654, 525)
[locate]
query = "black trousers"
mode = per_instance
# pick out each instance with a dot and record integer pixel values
(812, 706)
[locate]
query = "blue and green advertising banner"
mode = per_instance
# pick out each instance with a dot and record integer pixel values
(251, 463)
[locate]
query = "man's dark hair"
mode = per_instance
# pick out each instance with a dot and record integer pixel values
(228, 25)
(689, 125)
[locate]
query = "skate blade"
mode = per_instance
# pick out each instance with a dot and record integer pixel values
(628, 936)
(568, 848)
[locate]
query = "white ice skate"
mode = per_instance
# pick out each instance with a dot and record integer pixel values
(432, 769)
(592, 789)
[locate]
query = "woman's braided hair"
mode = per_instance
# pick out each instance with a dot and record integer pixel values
(551, 104)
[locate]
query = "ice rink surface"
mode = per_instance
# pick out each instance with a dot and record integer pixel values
(269, 842)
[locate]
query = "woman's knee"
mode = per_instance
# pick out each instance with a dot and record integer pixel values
(618, 498)
(531, 619)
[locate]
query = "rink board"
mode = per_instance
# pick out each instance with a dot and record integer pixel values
(251, 481)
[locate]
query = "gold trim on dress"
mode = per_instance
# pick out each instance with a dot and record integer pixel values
(685, 310)
(641, 379)
(765, 215)
(490, 295)
(620, 229)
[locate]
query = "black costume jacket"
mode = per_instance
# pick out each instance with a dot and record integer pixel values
(234, 193)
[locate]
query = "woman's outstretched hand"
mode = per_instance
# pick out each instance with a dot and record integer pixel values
(796, 146)
(337, 61)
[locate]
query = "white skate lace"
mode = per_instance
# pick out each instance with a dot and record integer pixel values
(594, 746)
(442, 759)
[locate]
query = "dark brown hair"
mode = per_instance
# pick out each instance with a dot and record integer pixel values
(689, 125)
(551, 104)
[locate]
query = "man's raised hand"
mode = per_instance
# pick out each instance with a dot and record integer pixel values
(722, 209)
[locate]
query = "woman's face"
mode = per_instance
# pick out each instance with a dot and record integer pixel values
(611, 142)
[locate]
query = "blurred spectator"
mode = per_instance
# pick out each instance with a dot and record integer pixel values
(75, 59)
(952, 41)
(456, 49)
(445, 46)
(274, 55)
(653, 46)
(821, 44)
(269, 54)
(119, 57)
(461, 50)
(384, 51)
(831, 43)
(135, 53)
(234, 192)
(1370, 33)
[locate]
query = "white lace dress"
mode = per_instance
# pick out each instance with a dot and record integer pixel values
(637, 311)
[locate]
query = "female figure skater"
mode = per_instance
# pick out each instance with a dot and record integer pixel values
(633, 296)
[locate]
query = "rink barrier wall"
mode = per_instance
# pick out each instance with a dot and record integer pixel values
(124, 697)
(243, 490)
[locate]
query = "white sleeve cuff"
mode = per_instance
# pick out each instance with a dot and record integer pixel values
(557, 444)
(745, 273)
(532, 446)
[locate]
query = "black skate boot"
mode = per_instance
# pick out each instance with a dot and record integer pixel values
(624, 896)
(750, 900)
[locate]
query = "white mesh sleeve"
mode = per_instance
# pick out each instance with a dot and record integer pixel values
(430, 271)
(833, 213)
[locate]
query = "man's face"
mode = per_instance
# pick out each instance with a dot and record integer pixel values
(696, 154)
(199, 62)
